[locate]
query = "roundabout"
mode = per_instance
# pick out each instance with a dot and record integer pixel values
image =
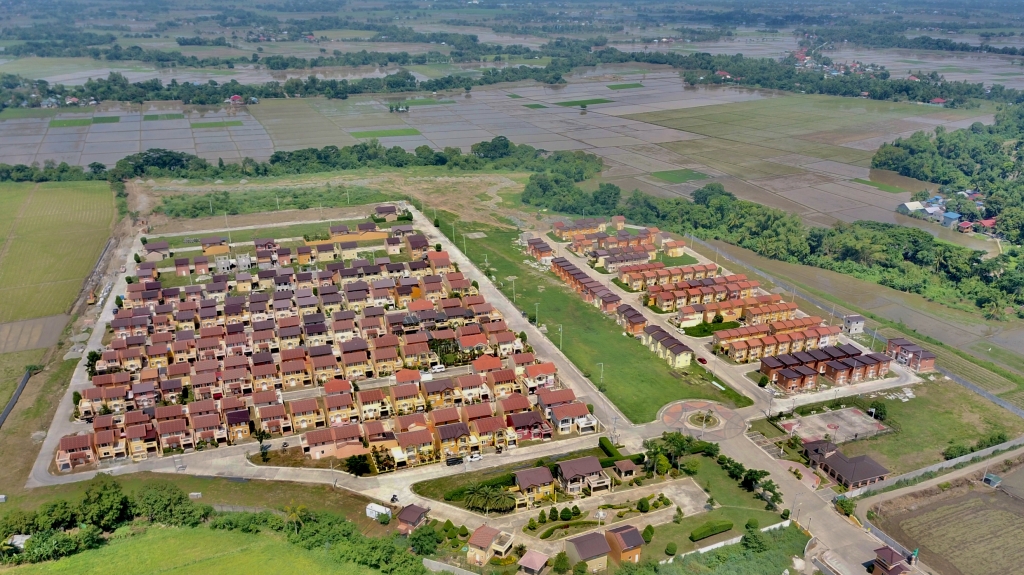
(703, 420)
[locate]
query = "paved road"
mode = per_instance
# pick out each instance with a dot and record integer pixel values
(851, 543)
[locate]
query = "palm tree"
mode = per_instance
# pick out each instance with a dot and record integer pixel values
(294, 514)
(476, 495)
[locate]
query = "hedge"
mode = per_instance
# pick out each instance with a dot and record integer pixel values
(710, 528)
(606, 445)
(551, 530)
(610, 461)
(505, 480)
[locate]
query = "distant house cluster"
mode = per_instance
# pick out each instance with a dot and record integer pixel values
(934, 209)
(752, 342)
(840, 365)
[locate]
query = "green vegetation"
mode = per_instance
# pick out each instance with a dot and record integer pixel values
(56, 231)
(222, 124)
(20, 113)
(255, 201)
(625, 86)
(707, 329)
(423, 102)
(587, 102)
(386, 133)
(106, 119)
(680, 176)
(880, 186)
(153, 117)
(633, 379)
(514, 96)
(534, 106)
(71, 123)
(683, 260)
(194, 550)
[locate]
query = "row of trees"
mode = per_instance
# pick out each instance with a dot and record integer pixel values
(892, 34)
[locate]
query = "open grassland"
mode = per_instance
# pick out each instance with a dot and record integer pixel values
(223, 124)
(625, 86)
(587, 102)
(880, 186)
(973, 534)
(386, 133)
(52, 234)
(679, 176)
(197, 550)
(12, 368)
(154, 117)
(941, 414)
(20, 113)
(634, 379)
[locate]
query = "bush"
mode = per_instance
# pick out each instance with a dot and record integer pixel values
(448, 525)
(647, 533)
(576, 512)
(553, 514)
(542, 518)
(560, 564)
(424, 540)
(670, 549)
(551, 530)
(383, 519)
(532, 524)
(785, 513)
(580, 568)
(752, 523)
(463, 532)
(846, 506)
(643, 506)
(606, 446)
(710, 528)
(566, 514)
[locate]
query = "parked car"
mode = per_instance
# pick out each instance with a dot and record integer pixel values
(453, 461)
(437, 368)
(474, 457)
(702, 361)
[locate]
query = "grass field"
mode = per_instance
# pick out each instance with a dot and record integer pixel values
(679, 176)
(514, 96)
(683, 260)
(71, 123)
(153, 117)
(943, 413)
(425, 102)
(19, 113)
(625, 86)
(883, 187)
(386, 133)
(52, 234)
(535, 106)
(199, 550)
(634, 379)
(12, 367)
(588, 102)
(224, 124)
(106, 119)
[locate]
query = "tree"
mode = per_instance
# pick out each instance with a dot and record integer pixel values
(60, 515)
(437, 247)
(437, 223)
(580, 568)
(358, 465)
(295, 515)
(104, 505)
(167, 504)
(880, 410)
(752, 523)
(643, 505)
(661, 464)
(424, 540)
(678, 517)
(846, 506)
(763, 382)
(519, 550)
(576, 511)
(566, 514)
(532, 524)
(262, 436)
(752, 477)
(553, 514)
(691, 467)
(753, 540)
(561, 564)
(542, 518)
(670, 549)
(648, 533)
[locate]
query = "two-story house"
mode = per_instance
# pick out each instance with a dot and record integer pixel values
(585, 472)
(306, 414)
(533, 486)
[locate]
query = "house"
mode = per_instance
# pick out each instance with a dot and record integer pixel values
(950, 219)
(75, 450)
(575, 475)
(851, 472)
(209, 428)
(339, 442)
(175, 434)
(411, 517)
(888, 561)
(909, 208)
(533, 562)
(306, 414)
(456, 440)
(625, 543)
(591, 548)
(238, 423)
(853, 324)
(414, 448)
(142, 441)
(156, 251)
(387, 212)
(109, 444)
(529, 425)
(373, 405)
(406, 398)
(493, 431)
(487, 542)
(273, 419)
(533, 486)
(907, 353)
(573, 417)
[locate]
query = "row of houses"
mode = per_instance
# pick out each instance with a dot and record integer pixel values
(908, 353)
(841, 365)
(670, 297)
(642, 277)
(746, 332)
(754, 310)
(564, 231)
(754, 348)
(591, 290)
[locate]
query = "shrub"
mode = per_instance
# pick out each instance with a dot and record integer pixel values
(463, 532)
(580, 568)
(648, 533)
(561, 564)
(710, 528)
(448, 525)
(643, 506)
(785, 513)
(606, 446)
(384, 519)
(551, 530)
(566, 514)
(576, 511)
(532, 525)
(542, 518)
(678, 517)
(670, 549)
(752, 523)
(846, 506)
(553, 514)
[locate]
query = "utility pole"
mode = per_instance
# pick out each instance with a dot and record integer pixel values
(463, 243)
(536, 314)
(559, 337)
(602, 372)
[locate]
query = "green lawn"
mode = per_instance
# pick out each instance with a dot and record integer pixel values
(224, 124)
(293, 231)
(535, 106)
(106, 119)
(152, 117)
(942, 413)
(199, 550)
(386, 133)
(883, 187)
(625, 86)
(680, 176)
(683, 260)
(514, 96)
(634, 379)
(588, 102)
(71, 123)
(766, 428)
(19, 113)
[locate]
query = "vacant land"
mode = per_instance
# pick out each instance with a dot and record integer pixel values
(941, 414)
(634, 379)
(625, 86)
(155, 117)
(535, 106)
(52, 234)
(976, 533)
(880, 186)
(679, 176)
(198, 550)
(587, 102)
(223, 124)
(12, 368)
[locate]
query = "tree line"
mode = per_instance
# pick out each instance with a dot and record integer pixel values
(893, 35)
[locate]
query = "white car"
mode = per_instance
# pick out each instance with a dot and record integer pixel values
(474, 457)
(437, 368)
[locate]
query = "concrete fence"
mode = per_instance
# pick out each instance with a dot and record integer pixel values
(438, 567)
(886, 539)
(14, 398)
(731, 541)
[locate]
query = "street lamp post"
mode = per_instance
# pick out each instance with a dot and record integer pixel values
(536, 314)
(559, 336)
(602, 372)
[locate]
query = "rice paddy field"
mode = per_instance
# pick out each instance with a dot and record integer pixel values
(52, 234)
